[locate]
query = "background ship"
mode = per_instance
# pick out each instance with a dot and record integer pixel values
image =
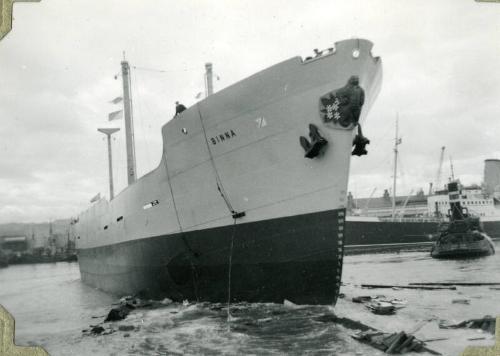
(418, 216)
(235, 211)
(462, 236)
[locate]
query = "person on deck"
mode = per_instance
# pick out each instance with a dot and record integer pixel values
(179, 108)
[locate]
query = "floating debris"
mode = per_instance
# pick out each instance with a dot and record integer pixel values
(126, 327)
(436, 339)
(462, 284)
(405, 287)
(128, 303)
(380, 304)
(486, 323)
(97, 330)
(362, 299)
(381, 308)
(393, 343)
(121, 310)
(460, 301)
(97, 316)
(135, 302)
(118, 313)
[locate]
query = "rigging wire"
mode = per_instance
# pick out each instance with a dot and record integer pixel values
(223, 193)
(157, 117)
(220, 187)
(164, 71)
(141, 119)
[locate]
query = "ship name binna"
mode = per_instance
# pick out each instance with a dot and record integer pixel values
(222, 137)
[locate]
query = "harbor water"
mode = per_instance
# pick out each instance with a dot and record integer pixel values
(52, 308)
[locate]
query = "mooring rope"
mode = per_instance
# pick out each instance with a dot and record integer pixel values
(229, 278)
(220, 188)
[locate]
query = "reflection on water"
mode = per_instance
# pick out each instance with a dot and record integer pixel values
(52, 307)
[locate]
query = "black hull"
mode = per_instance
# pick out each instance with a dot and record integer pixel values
(492, 229)
(388, 232)
(298, 258)
(396, 234)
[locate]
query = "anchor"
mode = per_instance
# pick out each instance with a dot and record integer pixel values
(360, 143)
(315, 147)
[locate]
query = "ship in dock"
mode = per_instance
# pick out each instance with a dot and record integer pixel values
(406, 222)
(249, 199)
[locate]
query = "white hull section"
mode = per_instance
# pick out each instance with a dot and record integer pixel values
(246, 140)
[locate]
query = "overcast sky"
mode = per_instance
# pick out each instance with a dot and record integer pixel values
(441, 76)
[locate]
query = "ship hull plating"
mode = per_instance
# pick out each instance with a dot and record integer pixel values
(364, 234)
(296, 258)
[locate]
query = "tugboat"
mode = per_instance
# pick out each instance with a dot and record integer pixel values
(463, 235)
